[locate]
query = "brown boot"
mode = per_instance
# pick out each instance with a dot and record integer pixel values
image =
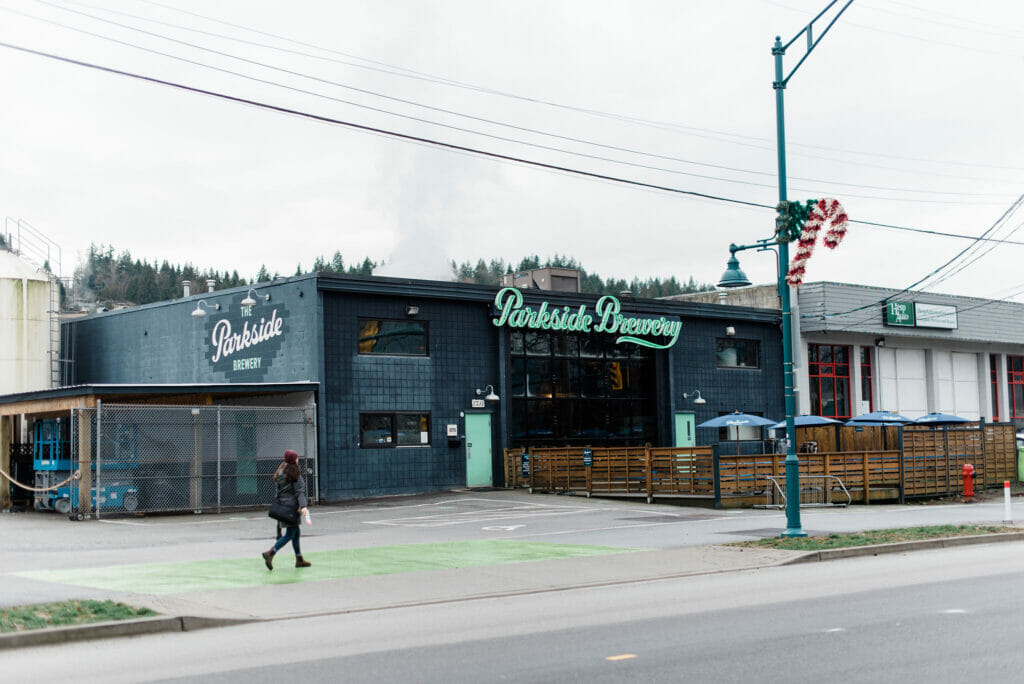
(268, 558)
(300, 563)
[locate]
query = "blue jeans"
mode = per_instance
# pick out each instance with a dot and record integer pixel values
(291, 534)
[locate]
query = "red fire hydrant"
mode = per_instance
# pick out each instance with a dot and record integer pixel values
(968, 474)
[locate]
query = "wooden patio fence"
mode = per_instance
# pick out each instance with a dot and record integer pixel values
(883, 463)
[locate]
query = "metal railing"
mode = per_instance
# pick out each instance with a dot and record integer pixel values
(811, 495)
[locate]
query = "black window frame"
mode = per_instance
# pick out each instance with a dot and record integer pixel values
(392, 417)
(361, 320)
(722, 342)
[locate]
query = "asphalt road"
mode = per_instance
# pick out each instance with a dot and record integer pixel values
(942, 615)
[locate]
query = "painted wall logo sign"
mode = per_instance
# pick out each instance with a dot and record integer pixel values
(918, 315)
(244, 343)
(607, 318)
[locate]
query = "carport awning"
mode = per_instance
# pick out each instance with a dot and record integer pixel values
(83, 396)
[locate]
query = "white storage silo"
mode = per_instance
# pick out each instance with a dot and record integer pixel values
(29, 298)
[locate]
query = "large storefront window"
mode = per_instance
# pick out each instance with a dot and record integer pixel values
(828, 370)
(1015, 378)
(570, 388)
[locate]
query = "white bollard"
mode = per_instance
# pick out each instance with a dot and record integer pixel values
(1007, 512)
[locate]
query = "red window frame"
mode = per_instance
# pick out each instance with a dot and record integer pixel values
(865, 377)
(1015, 380)
(993, 372)
(828, 371)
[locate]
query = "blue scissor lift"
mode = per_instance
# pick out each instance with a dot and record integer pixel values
(52, 464)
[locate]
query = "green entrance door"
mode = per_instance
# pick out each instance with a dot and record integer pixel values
(685, 436)
(478, 450)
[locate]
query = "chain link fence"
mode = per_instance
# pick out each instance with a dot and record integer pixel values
(135, 459)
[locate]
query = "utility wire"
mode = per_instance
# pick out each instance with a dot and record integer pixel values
(477, 118)
(376, 130)
(458, 148)
(1009, 211)
(410, 73)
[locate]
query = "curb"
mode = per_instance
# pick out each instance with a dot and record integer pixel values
(116, 628)
(899, 547)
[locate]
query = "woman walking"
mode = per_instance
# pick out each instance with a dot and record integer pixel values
(291, 495)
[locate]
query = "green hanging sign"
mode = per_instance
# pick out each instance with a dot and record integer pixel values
(606, 318)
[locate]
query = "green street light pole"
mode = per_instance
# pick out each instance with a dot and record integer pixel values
(734, 276)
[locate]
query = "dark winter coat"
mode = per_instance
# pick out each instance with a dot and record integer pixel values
(292, 494)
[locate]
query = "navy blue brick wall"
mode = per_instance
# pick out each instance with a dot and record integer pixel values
(727, 389)
(463, 355)
(164, 343)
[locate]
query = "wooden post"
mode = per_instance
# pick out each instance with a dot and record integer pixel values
(650, 475)
(828, 478)
(867, 480)
(6, 440)
(84, 463)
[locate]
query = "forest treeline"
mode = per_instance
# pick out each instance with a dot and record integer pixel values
(108, 279)
(489, 273)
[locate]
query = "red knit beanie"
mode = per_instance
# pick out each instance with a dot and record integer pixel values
(291, 457)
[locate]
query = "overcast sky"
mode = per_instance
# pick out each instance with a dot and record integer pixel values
(909, 113)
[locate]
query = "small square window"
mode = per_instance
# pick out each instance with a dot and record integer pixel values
(732, 353)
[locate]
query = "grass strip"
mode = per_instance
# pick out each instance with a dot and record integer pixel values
(871, 537)
(64, 613)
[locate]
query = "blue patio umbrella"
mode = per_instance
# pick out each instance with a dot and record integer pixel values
(880, 418)
(805, 420)
(941, 419)
(738, 419)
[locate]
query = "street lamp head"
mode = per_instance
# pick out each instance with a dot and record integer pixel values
(734, 275)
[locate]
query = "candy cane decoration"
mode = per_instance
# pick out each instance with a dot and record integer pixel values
(826, 210)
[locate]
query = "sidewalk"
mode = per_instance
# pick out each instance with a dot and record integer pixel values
(200, 571)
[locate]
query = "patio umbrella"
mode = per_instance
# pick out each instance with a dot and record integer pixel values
(804, 420)
(738, 419)
(880, 418)
(941, 419)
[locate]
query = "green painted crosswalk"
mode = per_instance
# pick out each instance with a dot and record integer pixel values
(233, 573)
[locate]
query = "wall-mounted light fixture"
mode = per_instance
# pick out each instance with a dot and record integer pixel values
(250, 297)
(697, 399)
(201, 305)
(730, 331)
(491, 396)
(879, 341)
(412, 310)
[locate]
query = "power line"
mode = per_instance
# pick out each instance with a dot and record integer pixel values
(410, 73)
(462, 148)
(475, 118)
(378, 131)
(1006, 214)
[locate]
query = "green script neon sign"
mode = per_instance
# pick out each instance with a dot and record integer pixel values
(512, 312)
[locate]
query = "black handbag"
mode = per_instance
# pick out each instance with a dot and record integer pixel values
(285, 513)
